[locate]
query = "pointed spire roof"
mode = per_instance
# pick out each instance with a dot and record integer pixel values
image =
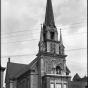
(41, 42)
(49, 17)
(76, 77)
(61, 41)
(41, 34)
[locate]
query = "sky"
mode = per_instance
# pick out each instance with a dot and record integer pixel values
(21, 24)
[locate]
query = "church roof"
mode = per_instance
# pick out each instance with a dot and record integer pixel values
(49, 17)
(24, 70)
(15, 70)
(12, 69)
(84, 79)
(76, 77)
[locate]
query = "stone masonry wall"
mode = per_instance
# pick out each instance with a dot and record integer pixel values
(34, 81)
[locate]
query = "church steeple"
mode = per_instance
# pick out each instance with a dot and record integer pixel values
(49, 35)
(51, 57)
(49, 17)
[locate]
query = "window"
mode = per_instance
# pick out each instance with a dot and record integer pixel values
(58, 85)
(58, 70)
(52, 85)
(52, 35)
(65, 85)
(44, 36)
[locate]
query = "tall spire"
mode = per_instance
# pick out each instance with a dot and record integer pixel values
(49, 17)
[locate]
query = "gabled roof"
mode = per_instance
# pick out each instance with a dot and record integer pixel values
(84, 79)
(15, 70)
(76, 77)
(12, 69)
(28, 67)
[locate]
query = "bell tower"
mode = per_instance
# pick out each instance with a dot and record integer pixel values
(53, 72)
(49, 35)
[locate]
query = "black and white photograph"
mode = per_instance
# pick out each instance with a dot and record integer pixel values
(44, 44)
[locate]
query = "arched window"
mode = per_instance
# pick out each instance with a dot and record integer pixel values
(44, 35)
(52, 35)
(58, 70)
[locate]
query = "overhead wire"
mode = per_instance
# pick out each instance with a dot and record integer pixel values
(77, 23)
(76, 49)
(37, 29)
(38, 39)
(35, 54)
(20, 35)
(72, 27)
(36, 33)
(18, 31)
(20, 41)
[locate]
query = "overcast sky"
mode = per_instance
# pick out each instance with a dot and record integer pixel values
(28, 15)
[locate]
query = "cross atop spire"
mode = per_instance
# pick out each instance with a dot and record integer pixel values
(49, 17)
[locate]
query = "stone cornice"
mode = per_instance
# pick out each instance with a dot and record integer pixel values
(50, 54)
(58, 76)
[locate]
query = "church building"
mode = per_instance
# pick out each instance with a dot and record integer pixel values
(48, 69)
